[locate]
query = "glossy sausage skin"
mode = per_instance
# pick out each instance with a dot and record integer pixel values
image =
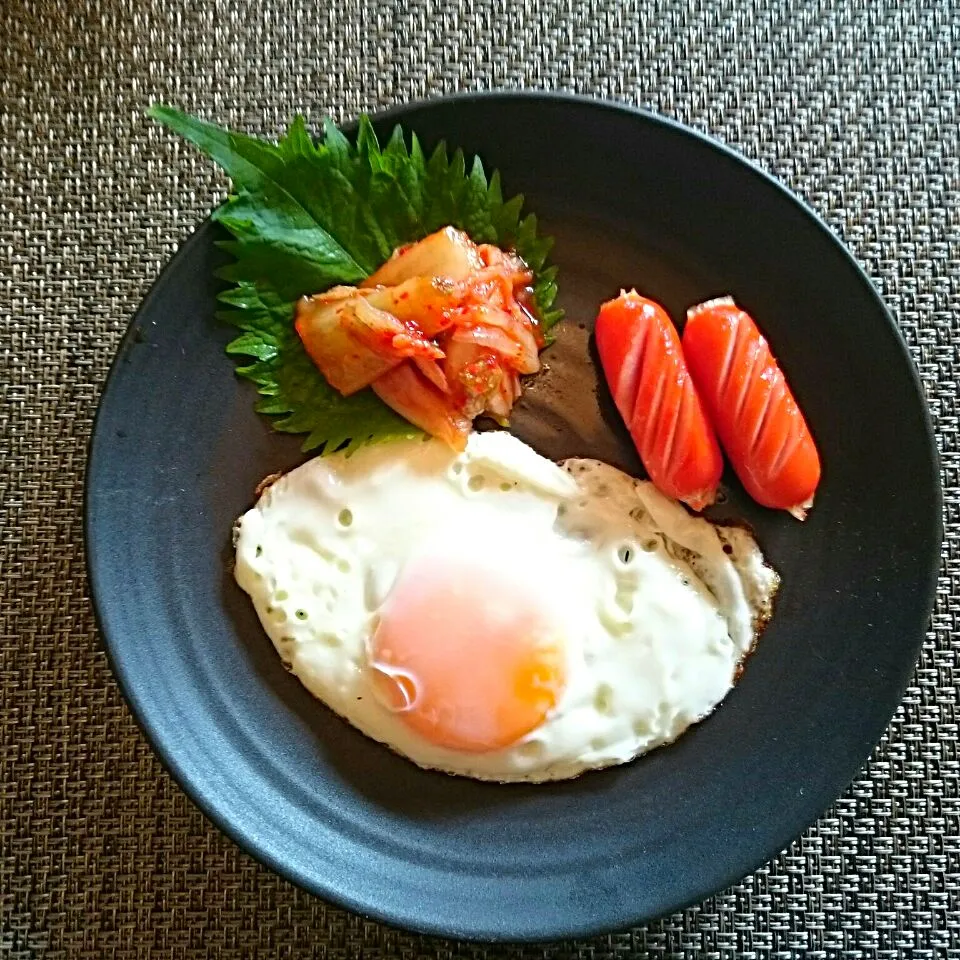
(643, 362)
(749, 402)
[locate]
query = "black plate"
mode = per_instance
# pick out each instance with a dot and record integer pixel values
(177, 451)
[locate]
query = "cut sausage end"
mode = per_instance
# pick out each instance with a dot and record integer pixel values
(727, 301)
(702, 500)
(801, 510)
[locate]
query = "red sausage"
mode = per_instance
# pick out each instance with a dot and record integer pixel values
(643, 362)
(747, 397)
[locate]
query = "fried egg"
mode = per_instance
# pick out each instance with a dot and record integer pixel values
(492, 614)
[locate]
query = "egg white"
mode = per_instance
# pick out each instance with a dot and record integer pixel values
(657, 608)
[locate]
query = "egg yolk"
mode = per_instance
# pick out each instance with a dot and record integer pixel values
(465, 656)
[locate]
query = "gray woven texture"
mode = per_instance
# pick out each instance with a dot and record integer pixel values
(853, 105)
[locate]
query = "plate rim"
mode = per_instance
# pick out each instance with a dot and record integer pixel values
(248, 844)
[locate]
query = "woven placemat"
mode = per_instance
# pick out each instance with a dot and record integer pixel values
(853, 105)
